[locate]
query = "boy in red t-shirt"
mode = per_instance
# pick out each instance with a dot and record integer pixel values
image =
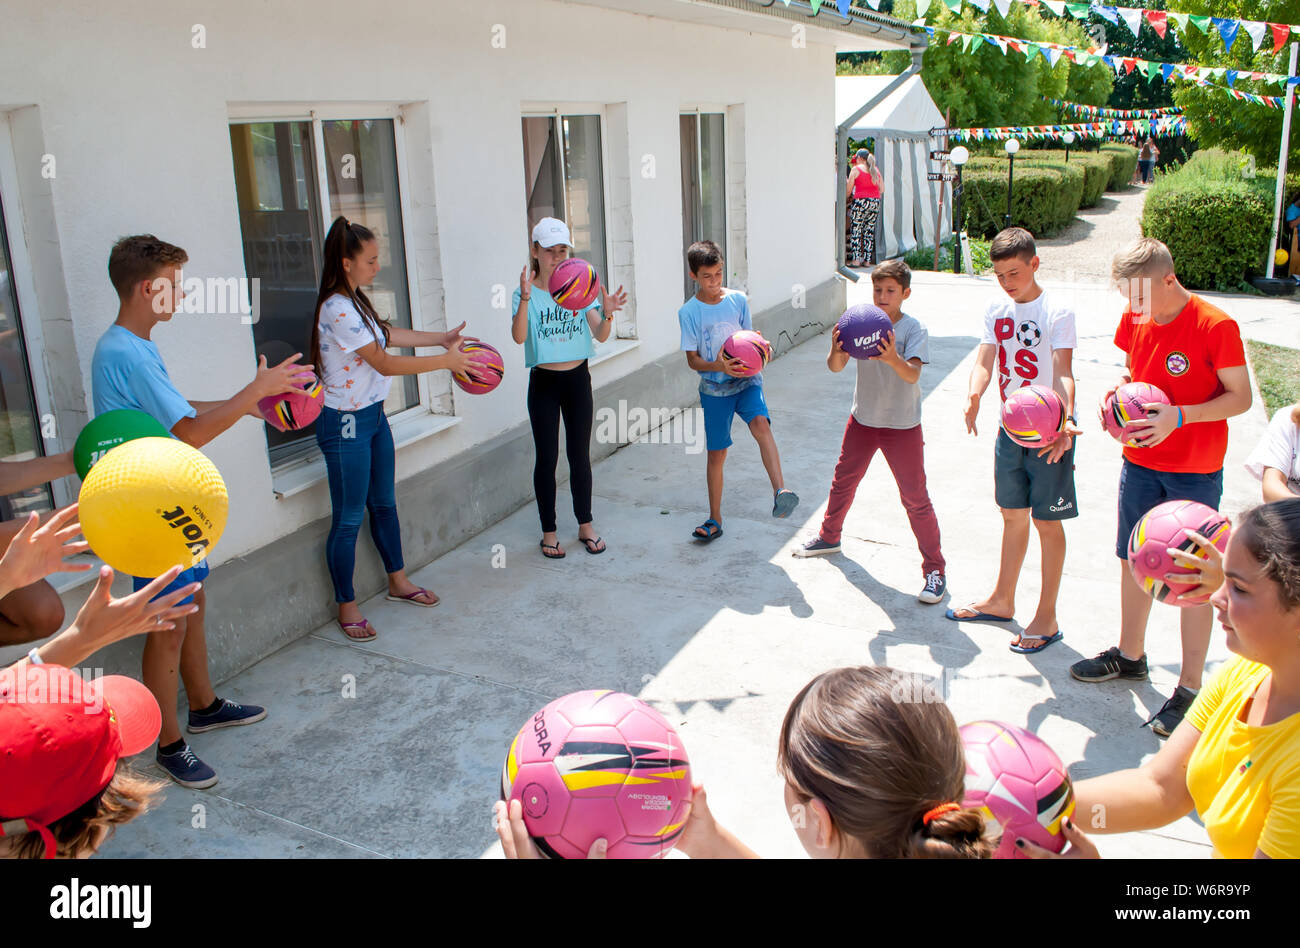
(1192, 352)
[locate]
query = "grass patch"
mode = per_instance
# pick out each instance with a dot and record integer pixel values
(922, 258)
(1277, 369)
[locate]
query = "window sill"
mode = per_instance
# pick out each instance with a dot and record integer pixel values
(301, 474)
(611, 348)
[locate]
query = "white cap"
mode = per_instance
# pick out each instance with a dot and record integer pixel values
(550, 232)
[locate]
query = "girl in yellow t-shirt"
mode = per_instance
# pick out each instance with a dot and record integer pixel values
(1236, 756)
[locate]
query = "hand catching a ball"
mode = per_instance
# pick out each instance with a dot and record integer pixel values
(1056, 450)
(516, 843)
(611, 303)
(888, 352)
(280, 379)
(37, 551)
(453, 338)
(1081, 847)
(458, 360)
(1160, 422)
(1207, 569)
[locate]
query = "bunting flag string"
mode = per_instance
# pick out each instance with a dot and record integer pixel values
(1169, 125)
(1226, 28)
(1080, 108)
(1126, 64)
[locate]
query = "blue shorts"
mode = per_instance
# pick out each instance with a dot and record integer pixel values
(748, 403)
(1022, 479)
(1141, 488)
(195, 574)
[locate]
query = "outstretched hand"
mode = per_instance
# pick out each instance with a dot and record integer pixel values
(103, 620)
(611, 303)
(37, 551)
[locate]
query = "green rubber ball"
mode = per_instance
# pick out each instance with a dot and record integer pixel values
(110, 429)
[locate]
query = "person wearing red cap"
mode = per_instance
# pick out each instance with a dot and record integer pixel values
(62, 788)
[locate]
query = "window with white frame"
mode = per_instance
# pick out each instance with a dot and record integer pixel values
(704, 190)
(293, 177)
(564, 178)
(20, 429)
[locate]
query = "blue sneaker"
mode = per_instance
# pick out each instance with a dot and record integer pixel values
(784, 503)
(186, 769)
(816, 547)
(230, 714)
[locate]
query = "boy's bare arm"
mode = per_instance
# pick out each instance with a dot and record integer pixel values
(980, 376)
(20, 475)
(216, 417)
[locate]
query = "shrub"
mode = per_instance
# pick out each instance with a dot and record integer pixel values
(922, 258)
(1045, 198)
(1123, 162)
(1096, 169)
(1215, 224)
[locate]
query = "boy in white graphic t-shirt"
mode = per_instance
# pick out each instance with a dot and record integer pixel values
(1031, 337)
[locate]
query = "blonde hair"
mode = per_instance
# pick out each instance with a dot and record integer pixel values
(1147, 257)
(128, 795)
(881, 750)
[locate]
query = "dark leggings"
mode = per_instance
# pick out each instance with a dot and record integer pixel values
(553, 394)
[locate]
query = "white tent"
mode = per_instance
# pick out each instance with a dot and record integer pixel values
(901, 127)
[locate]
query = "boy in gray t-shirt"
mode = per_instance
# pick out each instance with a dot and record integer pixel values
(887, 417)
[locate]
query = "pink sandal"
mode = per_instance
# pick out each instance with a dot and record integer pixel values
(362, 626)
(413, 600)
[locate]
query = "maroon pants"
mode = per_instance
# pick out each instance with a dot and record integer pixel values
(904, 451)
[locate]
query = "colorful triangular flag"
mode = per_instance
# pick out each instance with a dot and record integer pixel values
(1078, 10)
(1227, 29)
(1056, 6)
(1106, 12)
(953, 5)
(922, 6)
(1202, 23)
(1158, 19)
(1256, 29)
(982, 4)
(1280, 31)
(1131, 18)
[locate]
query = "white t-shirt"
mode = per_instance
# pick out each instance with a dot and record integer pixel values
(350, 382)
(1278, 449)
(1025, 335)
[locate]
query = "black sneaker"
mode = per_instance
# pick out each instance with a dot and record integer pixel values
(934, 587)
(1110, 664)
(1171, 712)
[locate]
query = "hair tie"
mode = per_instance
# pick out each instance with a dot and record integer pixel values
(938, 811)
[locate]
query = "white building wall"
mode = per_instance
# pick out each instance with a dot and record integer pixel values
(137, 120)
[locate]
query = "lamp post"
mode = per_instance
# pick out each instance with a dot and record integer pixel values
(1068, 138)
(958, 156)
(1012, 146)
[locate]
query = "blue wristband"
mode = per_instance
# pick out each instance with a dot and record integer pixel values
(1180, 417)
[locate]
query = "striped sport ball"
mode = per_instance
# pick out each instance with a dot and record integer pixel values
(1018, 783)
(487, 363)
(574, 284)
(110, 429)
(293, 411)
(151, 504)
(1033, 416)
(1125, 404)
(1161, 528)
(599, 765)
(862, 329)
(750, 348)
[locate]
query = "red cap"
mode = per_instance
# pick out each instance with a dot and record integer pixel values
(60, 740)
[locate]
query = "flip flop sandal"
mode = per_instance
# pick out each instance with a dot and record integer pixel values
(590, 543)
(784, 503)
(363, 626)
(707, 536)
(1047, 641)
(558, 555)
(977, 617)
(414, 601)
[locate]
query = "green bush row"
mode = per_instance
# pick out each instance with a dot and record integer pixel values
(1044, 198)
(1215, 223)
(1096, 166)
(1123, 162)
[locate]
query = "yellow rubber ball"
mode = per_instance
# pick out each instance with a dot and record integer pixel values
(1281, 257)
(151, 504)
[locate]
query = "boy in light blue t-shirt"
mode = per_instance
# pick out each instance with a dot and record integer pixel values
(707, 320)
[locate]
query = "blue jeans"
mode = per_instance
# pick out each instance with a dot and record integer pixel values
(358, 449)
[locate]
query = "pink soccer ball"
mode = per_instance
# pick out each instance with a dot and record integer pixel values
(750, 348)
(1018, 783)
(1162, 527)
(574, 284)
(488, 365)
(294, 410)
(1125, 404)
(599, 764)
(1033, 416)
(862, 329)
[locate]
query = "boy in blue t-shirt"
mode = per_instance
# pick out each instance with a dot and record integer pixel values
(708, 319)
(127, 371)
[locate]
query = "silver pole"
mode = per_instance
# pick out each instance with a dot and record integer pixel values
(1281, 165)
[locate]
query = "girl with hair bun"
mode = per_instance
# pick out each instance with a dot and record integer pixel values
(874, 768)
(349, 343)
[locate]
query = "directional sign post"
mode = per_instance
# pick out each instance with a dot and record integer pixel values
(940, 176)
(939, 156)
(940, 130)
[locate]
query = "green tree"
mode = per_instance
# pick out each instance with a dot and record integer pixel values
(1216, 118)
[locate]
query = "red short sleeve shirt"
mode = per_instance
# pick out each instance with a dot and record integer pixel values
(1182, 359)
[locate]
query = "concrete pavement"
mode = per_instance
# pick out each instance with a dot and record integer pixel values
(394, 747)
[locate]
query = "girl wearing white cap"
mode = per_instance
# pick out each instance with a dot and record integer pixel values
(557, 344)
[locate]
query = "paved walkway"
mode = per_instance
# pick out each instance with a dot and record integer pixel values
(1082, 252)
(394, 748)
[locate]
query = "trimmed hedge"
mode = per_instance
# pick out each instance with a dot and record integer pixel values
(1215, 224)
(1097, 170)
(1123, 162)
(1044, 199)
